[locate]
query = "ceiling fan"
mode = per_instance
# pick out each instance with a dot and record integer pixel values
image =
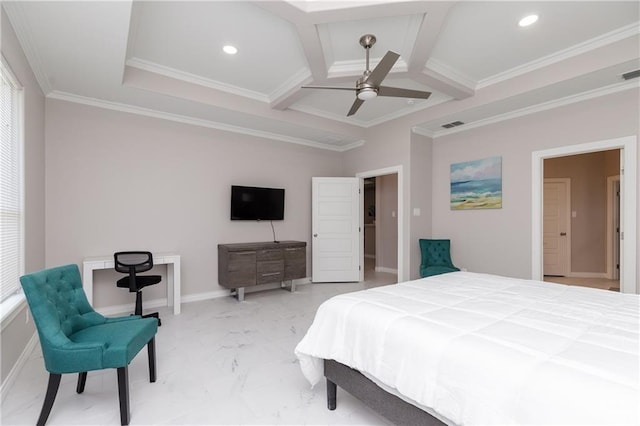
(368, 86)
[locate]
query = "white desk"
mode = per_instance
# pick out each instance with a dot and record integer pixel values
(172, 261)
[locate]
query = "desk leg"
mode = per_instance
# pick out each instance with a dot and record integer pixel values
(173, 286)
(87, 282)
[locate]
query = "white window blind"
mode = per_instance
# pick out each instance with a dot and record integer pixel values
(11, 193)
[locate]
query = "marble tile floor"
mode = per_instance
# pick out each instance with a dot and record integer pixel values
(601, 283)
(219, 362)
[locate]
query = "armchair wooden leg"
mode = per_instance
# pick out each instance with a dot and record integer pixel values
(123, 393)
(82, 380)
(52, 390)
(151, 350)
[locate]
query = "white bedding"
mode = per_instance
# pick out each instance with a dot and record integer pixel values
(484, 349)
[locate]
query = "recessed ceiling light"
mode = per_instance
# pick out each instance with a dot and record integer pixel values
(230, 50)
(528, 20)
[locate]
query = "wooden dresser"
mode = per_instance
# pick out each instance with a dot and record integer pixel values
(243, 265)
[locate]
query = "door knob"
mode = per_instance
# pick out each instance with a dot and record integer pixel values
(562, 234)
(315, 235)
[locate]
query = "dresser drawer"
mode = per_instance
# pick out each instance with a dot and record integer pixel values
(292, 254)
(239, 261)
(269, 271)
(269, 254)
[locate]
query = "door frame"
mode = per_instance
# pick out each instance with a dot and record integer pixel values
(375, 173)
(611, 224)
(567, 182)
(628, 203)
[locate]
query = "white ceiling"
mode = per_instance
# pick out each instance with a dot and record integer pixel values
(165, 59)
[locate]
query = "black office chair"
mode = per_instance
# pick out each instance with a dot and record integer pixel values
(133, 263)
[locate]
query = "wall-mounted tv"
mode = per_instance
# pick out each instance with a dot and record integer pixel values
(254, 203)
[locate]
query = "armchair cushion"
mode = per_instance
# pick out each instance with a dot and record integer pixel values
(75, 338)
(435, 257)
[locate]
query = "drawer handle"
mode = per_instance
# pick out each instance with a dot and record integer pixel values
(271, 273)
(293, 249)
(246, 252)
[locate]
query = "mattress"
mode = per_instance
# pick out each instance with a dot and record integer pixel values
(484, 349)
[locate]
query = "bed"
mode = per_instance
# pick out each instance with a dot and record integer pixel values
(467, 348)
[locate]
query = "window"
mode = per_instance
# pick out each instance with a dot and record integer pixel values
(11, 188)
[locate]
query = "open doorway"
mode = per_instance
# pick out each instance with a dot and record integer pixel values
(381, 220)
(575, 219)
(628, 206)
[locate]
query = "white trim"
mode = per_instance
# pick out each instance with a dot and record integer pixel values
(298, 79)
(7, 384)
(153, 67)
(355, 67)
(628, 200)
(567, 100)
(116, 106)
(422, 131)
(11, 307)
(611, 235)
(588, 275)
(386, 270)
(441, 68)
(129, 307)
(23, 33)
(402, 271)
(627, 31)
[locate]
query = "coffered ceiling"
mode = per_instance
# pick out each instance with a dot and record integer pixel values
(165, 59)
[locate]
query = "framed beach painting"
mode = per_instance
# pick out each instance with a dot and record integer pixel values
(477, 184)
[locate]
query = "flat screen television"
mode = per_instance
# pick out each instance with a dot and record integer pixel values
(254, 203)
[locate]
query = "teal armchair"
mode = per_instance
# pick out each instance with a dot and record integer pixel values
(436, 257)
(76, 339)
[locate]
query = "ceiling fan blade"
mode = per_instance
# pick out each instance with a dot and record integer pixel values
(329, 87)
(402, 93)
(356, 104)
(382, 69)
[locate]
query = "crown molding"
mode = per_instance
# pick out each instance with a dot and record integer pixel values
(356, 67)
(195, 79)
(578, 49)
(567, 100)
(423, 132)
(23, 32)
(300, 78)
(147, 112)
(351, 146)
(439, 67)
(366, 124)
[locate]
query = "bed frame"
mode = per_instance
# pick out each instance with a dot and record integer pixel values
(388, 405)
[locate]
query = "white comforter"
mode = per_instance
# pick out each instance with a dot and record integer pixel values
(483, 349)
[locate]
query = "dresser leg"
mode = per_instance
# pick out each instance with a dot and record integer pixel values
(240, 294)
(293, 286)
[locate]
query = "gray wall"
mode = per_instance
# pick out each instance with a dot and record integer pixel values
(387, 222)
(16, 333)
(499, 241)
(420, 187)
(119, 181)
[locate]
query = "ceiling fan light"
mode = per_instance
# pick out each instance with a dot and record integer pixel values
(367, 93)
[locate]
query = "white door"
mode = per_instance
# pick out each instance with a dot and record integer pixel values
(556, 225)
(335, 223)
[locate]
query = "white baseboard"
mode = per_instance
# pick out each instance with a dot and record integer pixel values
(17, 367)
(159, 303)
(588, 275)
(387, 270)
